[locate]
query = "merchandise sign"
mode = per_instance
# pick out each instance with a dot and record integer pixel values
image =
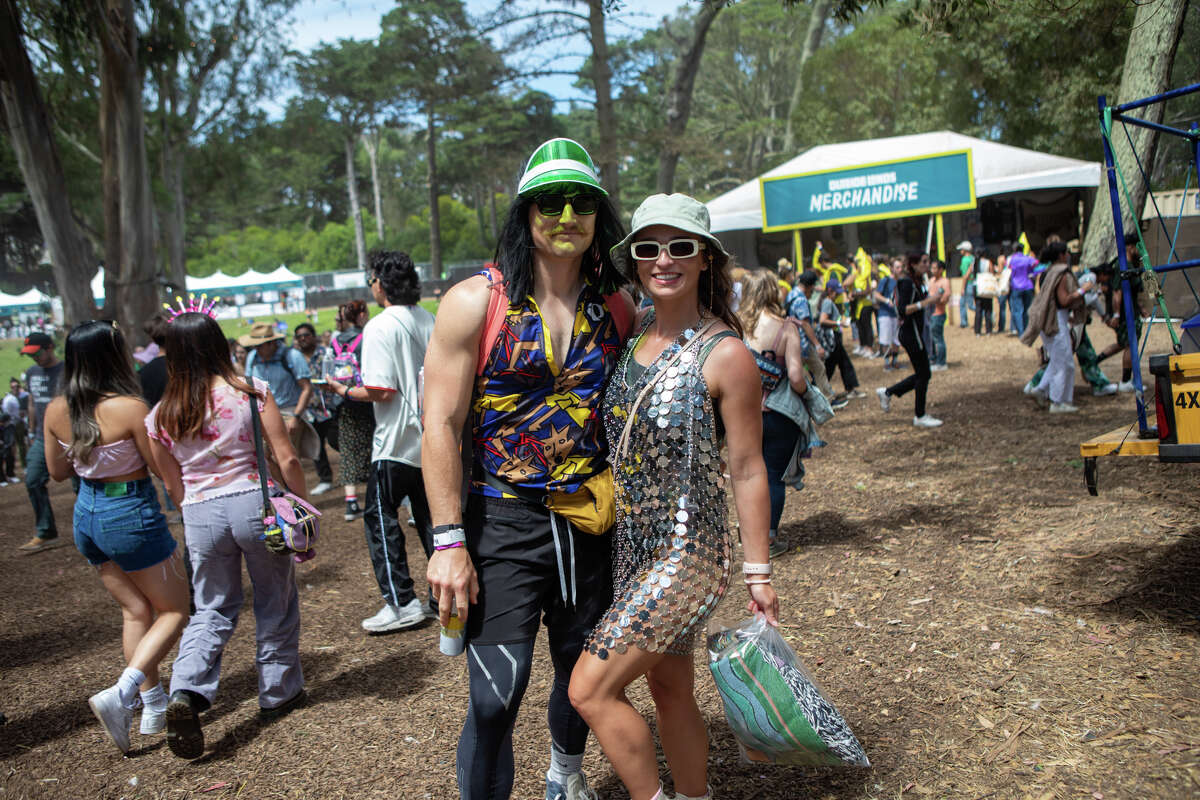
(904, 188)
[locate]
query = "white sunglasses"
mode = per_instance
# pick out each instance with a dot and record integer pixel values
(676, 248)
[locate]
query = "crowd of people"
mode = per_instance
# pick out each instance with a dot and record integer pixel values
(562, 438)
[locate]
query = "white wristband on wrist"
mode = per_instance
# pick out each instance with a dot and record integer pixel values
(756, 569)
(449, 538)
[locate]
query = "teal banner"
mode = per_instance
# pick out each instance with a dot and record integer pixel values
(885, 190)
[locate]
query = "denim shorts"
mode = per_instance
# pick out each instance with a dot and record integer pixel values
(121, 522)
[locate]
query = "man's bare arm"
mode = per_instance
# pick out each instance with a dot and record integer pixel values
(450, 363)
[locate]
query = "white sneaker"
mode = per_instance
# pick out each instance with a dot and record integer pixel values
(575, 789)
(1063, 408)
(1028, 388)
(927, 422)
(885, 400)
(391, 618)
(321, 488)
(1105, 391)
(152, 721)
(14, 480)
(1126, 386)
(113, 715)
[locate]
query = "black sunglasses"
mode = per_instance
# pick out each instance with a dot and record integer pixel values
(552, 204)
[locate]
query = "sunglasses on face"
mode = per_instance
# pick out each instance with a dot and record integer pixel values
(552, 204)
(676, 248)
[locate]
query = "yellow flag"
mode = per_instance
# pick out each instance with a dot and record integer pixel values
(1023, 240)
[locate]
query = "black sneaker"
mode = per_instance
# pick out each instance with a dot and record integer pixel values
(184, 736)
(353, 510)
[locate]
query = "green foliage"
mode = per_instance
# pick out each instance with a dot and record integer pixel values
(460, 239)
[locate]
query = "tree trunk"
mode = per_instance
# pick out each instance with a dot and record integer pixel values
(435, 215)
(171, 163)
(360, 238)
(606, 119)
(371, 142)
(1153, 40)
(679, 99)
(136, 285)
(173, 220)
(818, 14)
(492, 218)
(28, 128)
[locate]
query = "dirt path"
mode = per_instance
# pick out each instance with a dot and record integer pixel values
(986, 627)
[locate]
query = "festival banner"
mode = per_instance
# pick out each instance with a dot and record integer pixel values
(884, 190)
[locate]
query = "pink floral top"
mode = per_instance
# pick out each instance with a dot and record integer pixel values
(221, 461)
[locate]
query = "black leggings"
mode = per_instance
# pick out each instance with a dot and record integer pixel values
(838, 358)
(983, 314)
(919, 379)
(866, 332)
(499, 674)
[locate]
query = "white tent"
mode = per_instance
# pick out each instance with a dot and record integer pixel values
(30, 299)
(998, 169)
(220, 282)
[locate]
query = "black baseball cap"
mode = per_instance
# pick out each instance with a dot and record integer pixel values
(35, 342)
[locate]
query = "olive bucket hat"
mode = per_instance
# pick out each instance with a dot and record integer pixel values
(677, 211)
(559, 161)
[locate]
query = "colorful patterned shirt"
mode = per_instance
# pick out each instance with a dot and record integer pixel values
(535, 415)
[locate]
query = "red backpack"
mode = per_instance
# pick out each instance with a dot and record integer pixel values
(498, 306)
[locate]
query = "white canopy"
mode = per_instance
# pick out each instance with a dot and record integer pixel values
(220, 282)
(31, 298)
(998, 169)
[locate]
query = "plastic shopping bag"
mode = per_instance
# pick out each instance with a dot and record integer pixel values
(776, 712)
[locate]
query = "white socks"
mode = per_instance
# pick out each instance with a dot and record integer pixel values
(563, 766)
(128, 683)
(155, 699)
(706, 796)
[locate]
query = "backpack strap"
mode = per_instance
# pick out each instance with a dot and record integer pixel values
(621, 314)
(494, 321)
(354, 343)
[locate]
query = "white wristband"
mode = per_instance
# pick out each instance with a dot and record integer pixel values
(449, 538)
(756, 569)
(756, 581)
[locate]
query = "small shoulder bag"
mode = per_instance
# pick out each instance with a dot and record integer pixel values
(290, 525)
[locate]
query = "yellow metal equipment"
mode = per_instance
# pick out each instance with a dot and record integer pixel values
(1177, 410)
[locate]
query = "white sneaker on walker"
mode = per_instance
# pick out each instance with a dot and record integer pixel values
(1104, 391)
(576, 789)
(321, 488)
(1126, 386)
(1063, 408)
(927, 421)
(391, 618)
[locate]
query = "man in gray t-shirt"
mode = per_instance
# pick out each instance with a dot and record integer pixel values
(44, 379)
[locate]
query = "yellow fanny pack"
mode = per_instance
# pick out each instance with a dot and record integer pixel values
(591, 508)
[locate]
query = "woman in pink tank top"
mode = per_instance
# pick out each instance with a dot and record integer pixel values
(96, 431)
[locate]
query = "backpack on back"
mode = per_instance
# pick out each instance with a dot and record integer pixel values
(345, 367)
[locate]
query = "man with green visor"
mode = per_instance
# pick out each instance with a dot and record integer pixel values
(520, 356)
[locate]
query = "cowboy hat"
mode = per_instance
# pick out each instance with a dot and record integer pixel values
(260, 333)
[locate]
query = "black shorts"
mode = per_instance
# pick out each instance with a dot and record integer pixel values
(513, 548)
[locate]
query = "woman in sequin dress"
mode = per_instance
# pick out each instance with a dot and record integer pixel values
(690, 381)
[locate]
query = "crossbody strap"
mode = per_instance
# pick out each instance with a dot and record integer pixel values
(256, 424)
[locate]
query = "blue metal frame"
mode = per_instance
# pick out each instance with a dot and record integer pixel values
(1118, 114)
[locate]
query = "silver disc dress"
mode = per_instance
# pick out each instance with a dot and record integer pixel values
(672, 542)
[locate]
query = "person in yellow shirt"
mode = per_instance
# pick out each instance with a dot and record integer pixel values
(862, 284)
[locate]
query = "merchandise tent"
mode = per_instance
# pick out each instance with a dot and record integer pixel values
(1015, 190)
